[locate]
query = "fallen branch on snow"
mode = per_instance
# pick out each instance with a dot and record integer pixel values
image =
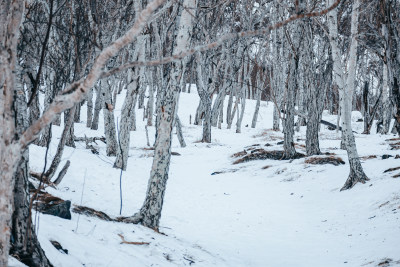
(132, 243)
(325, 160)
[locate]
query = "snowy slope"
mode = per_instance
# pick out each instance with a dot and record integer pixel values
(290, 214)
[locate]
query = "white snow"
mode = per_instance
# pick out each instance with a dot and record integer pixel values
(290, 214)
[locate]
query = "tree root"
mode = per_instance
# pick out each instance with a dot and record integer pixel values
(135, 219)
(91, 213)
(353, 180)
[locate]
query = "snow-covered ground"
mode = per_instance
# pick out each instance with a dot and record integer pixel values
(290, 214)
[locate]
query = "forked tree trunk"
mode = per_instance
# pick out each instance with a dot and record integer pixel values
(60, 148)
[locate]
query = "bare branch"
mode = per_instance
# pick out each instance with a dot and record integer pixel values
(219, 42)
(77, 91)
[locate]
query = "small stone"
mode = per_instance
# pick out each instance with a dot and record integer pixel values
(386, 156)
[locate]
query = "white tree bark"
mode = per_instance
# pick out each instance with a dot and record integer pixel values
(347, 88)
(126, 113)
(150, 213)
(11, 12)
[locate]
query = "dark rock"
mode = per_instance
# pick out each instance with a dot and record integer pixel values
(61, 210)
(280, 143)
(386, 156)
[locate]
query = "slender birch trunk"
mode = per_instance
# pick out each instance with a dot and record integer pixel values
(356, 171)
(97, 108)
(150, 213)
(126, 113)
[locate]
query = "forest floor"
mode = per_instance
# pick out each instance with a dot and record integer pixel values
(216, 213)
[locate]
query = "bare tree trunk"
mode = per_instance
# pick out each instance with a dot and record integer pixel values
(276, 119)
(60, 148)
(242, 108)
(311, 93)
(219, 101)
(70, 133)
(229, 108)
(49, 96)
(383, 126)
(205, 92)
(150, 102)
(11, 15)
(244, 82)
(109, 121)
(288, 122)
(124, 128)
(257, 109)
(150, 213)
(366, 108)
(292, 83)
(97, 108)
(89, 112)
(356, 171)
(24, 243)
(179, 132)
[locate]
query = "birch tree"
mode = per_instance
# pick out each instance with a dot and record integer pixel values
(346, 87)
(12, 148)
(150, 213)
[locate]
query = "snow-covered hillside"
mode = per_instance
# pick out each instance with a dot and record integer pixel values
(218, 214)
